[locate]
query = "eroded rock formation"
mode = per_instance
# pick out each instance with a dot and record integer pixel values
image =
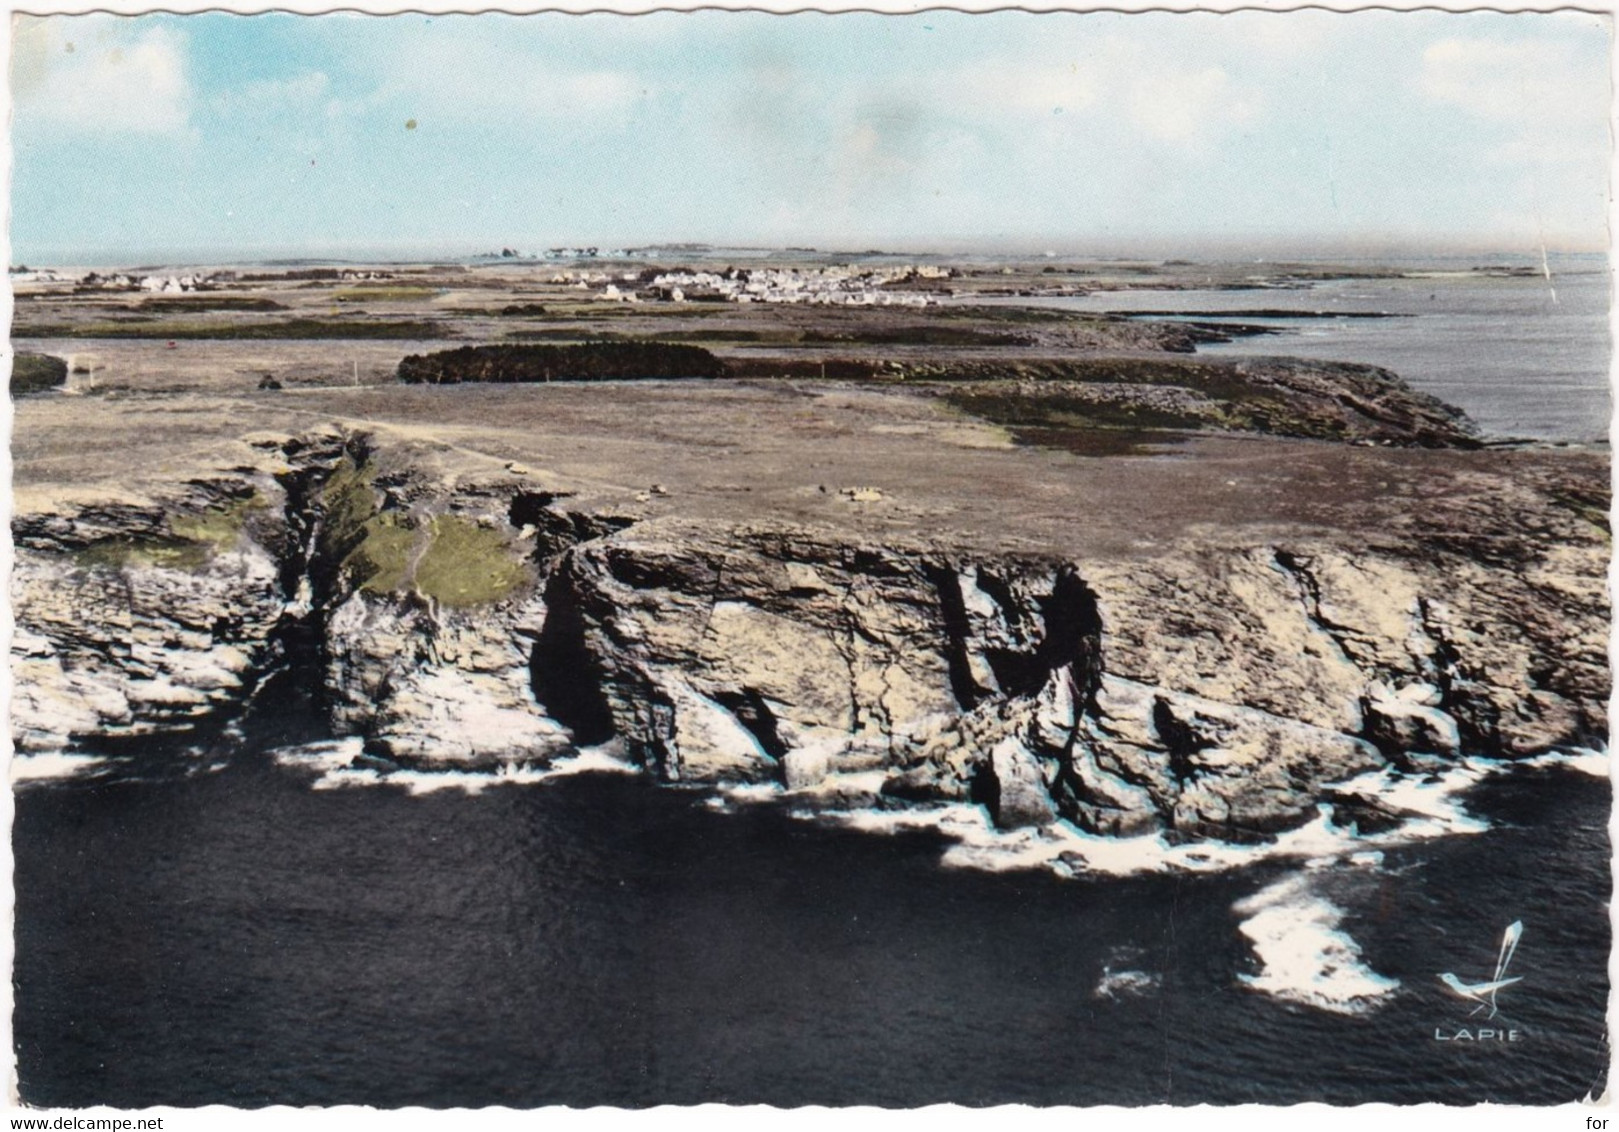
(1218, 686)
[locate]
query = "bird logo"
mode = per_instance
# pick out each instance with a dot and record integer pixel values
(1484, 993)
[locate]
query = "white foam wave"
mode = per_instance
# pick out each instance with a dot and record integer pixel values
(813, 801)
(1585, 760)
(1429, 807)
(415, 782)
(335, 760)
(330, 754)
(51, 766)
(1117, 984)
(605, 759)
(745, 792)
(1426, 807)
(1304, 954)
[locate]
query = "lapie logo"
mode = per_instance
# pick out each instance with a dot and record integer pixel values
(1485, 995)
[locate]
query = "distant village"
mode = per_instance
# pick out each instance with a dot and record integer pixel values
(837, 285)
(840, 285)
(193, 281)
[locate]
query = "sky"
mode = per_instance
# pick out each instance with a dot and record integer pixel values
(216, 136)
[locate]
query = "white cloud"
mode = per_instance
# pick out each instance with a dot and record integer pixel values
(1543, 145)
(1037, 89)
(1179, 106)
(101, 81)
(1278, 35)
(1176, 102)
(272, 95)
(1514, 81)
(463, 79)
(1546, 102)
(451, 82)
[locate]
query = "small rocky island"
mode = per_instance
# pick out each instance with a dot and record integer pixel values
(880, 555)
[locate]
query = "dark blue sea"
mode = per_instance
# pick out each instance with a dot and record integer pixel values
(232, 933)
(1524, 355)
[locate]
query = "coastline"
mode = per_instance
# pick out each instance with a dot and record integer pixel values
(1065, 604)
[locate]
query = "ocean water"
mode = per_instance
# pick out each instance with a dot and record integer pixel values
(1524, 356)
(252, 932)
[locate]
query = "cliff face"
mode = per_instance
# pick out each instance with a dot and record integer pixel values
(1214, 691)
(1216, 686)
(129, 623)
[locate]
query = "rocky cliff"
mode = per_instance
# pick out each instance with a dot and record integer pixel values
(1217, 684)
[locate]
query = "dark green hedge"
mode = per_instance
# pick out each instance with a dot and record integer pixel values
(35, 373)
(590, 361)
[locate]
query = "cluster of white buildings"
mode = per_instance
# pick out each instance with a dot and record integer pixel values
(592, 278)
(594, 253)
(124, 281)
(153, 284)
(606, 288)
(200, 281)
(173, 284)
(838, 285)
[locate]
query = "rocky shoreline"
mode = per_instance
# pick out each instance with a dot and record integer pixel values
(903, 556)
(1218, 687)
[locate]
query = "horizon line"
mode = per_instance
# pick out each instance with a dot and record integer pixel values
(1222, 252)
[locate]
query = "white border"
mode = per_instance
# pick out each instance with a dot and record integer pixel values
(719, 1118)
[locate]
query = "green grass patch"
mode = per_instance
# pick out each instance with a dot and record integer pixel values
(1059, 412)
(348, 501)
(218, 527)
(192, 543)
(288, 328)
(117, 553)
(372, 548)
(451, 560)
(466, 564)
(35, 373)
(380, 563)
(211, 302)
(914, 336)
(384, 294)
